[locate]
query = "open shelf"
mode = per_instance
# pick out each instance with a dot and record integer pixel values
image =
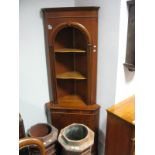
(71, 100)
(71, 75)
(69, 50)
(71, 67)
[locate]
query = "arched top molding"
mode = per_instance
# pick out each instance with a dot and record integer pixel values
(71, 24)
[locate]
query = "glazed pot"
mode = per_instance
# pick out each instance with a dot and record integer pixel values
(76, 139)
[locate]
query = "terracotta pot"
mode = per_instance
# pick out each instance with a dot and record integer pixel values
(46, 133)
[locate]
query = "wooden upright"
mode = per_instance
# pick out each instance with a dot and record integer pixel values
(71, 43)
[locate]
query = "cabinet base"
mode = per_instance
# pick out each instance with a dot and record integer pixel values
(61, 117)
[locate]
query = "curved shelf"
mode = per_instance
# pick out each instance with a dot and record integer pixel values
(69, 50)
(71, 75)
(71, 100)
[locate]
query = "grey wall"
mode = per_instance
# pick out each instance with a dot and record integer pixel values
(125, 85)
(32, 66)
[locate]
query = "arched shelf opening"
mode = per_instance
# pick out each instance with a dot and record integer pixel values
(71, 50)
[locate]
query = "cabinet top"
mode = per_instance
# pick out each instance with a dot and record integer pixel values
(124, 110)
(70, 8)
(71, 12)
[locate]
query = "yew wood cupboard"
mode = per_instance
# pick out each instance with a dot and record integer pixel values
(120, 135)
(71, 43)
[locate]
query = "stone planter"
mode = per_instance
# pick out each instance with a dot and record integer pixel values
(76, 139)
(46, 133)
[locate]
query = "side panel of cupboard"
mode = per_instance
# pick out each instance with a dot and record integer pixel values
(120, 132)
(120, 135)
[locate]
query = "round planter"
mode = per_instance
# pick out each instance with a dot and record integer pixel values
(46, 133)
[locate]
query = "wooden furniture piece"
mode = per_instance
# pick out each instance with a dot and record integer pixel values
(32, 141)
(121, 128)
(71, 43)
